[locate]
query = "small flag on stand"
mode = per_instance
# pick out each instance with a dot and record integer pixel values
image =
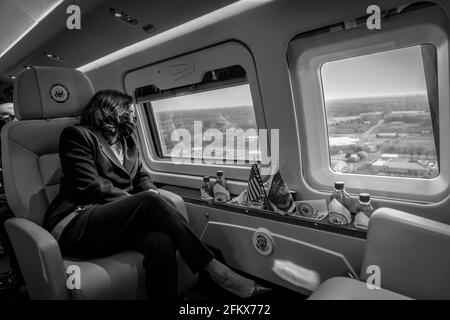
(280, 199)
(255, 186)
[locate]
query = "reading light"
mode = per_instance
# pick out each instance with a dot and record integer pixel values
(182, 29)
(149, 28)
(125, 17)
(52, 56)
(26, 67)
(12, 77)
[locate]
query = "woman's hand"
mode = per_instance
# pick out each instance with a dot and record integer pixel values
(154, 190)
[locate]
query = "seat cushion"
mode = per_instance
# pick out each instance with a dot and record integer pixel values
(340, 288)
(31, 166)
(120, 276)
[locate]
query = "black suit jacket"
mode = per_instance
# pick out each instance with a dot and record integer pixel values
(92, 174)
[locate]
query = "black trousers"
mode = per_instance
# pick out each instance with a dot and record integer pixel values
(144, 222)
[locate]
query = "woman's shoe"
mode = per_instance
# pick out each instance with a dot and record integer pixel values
(259, 289)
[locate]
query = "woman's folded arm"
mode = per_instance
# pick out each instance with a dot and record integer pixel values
(77, 159)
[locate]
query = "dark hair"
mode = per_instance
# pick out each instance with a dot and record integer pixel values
(102, 112)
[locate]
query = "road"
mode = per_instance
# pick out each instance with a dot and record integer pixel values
(371, 129)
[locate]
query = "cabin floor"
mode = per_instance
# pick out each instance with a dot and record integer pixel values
(11, 288)
(206, 290)
(214, 293)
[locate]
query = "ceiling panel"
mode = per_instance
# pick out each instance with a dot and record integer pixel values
(13, 22)
(34, 8)
(18, 16)
(101, 33)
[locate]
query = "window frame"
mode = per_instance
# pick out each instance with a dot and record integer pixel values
(306, 56)
(224, 55)
(436, 141)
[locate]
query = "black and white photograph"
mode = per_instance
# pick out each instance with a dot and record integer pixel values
(224, 159)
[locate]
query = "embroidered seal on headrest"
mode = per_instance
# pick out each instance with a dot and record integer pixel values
(59, 93)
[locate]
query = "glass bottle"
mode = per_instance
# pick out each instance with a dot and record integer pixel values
(339, 206)
(365, 204)
(221, 179)
(221, 194)
(205, 189)
(340, 194)
(364, 211)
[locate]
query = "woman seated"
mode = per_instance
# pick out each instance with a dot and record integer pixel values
(107, 203)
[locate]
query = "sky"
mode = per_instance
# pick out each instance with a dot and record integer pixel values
(387, 73)
(214, 99)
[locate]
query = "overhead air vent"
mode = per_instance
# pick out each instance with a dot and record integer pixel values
(125, 17)
(149, 28)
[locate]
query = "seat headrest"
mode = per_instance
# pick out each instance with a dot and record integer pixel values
(49, 92)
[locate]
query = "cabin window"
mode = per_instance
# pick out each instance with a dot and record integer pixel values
(372, 107)
(216, 116)
(216, 87)
(380, 115)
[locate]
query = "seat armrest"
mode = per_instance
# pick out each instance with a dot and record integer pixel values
(39, 259)
(176, 201)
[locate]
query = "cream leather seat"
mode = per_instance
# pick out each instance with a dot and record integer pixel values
(413, 257)
(46, 100)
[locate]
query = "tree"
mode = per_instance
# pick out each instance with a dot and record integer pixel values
(420, 150)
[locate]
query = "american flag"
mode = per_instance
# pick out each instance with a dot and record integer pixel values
(255, 185)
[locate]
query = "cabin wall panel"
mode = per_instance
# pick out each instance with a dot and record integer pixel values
(266, 31)
(201, 218)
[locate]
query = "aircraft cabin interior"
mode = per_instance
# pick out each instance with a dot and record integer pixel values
(301, 145)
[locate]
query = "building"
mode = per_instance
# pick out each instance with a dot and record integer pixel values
(406, 169)
(371, 116)
(387, 135)
(349, 119)
(393, 165)
(413, 113)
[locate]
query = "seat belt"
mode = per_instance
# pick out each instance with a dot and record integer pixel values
(59, 228)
